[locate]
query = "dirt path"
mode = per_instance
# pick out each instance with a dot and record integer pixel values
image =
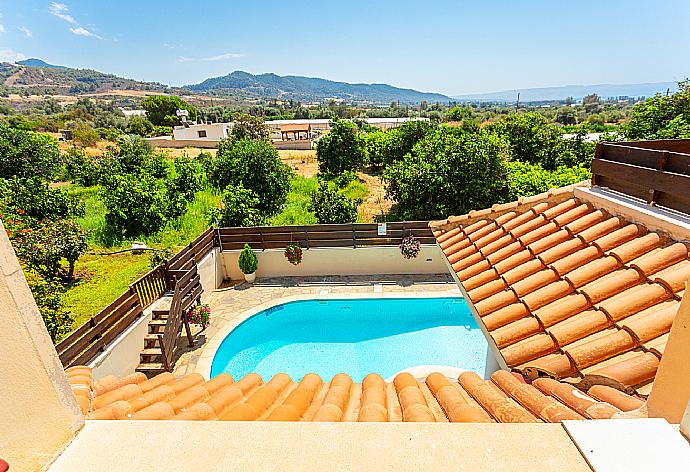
(375, 204)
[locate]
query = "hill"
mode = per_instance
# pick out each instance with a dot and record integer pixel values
(33, 62)
(575, 91)
(40, 78)
(240, 83)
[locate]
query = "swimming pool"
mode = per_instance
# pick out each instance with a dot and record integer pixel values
(355, 336)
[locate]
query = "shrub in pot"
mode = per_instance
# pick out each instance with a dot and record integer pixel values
(248, 263)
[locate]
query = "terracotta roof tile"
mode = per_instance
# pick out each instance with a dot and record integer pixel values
(523, 351)
(586, 220)
(674, 277)
(600, 348)
(599, 230)
(568, 290)
(626, 374)
(615, 397)
(633, 300)
(578, 326)
(505, 315)
(516, 331)
(575, 399)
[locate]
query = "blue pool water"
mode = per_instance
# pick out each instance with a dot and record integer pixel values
(358, 337)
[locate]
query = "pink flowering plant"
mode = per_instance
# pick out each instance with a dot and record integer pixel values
(293, 253)
(410, 247)
(199, 314)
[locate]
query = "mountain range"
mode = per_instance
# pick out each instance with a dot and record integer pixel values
(43, 78)
(575, 91)
(309, 88)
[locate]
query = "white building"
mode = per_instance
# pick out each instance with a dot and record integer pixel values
(204, 131)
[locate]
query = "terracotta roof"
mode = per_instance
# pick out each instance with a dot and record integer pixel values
(506, 398)
(569, 291)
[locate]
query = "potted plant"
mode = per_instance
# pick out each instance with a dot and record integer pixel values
(248, 263)
(410, 247)
(199, 314)
(293, 253)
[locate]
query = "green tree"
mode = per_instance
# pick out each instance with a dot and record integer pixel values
(526, 179)
(27, 154)
(239, 208)
(140, 125)
(46, 248)
(161, 110)
(449, 172)
(135, 204)
(34, 199)
(131, 153)
(254, 165)
(387, 147)
(48, 296)
(248, 127)
(331, 207)
(531, 138)
(343, 148)
(661, 116)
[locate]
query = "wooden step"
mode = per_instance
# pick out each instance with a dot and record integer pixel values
(160, 314)
(151, 369)
(151, 340)
(151, 351)
(157, 326)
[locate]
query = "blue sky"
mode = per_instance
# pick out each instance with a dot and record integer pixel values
(452, 47)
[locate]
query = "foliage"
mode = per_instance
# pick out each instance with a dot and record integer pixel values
(181, 187)
(140, 125)
(253, 165)
(159, 256)
(295, 211)
(199, 314)
(135, 204)
(248, 127)
(448, 173)
(293, 253)
(34, 199)
(239, 208)
(385, 148)
(131, 153)
(410, 247)
(661, 116)
(49, 298)
(52, 242)
(458, 114)
(526, 179)
(343, 148)
(330, 206)
(27, 154)
(161, 110)
(85, 169)
(247, 260)
(83, 133)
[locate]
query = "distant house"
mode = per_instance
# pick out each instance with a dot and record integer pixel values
(204, 131)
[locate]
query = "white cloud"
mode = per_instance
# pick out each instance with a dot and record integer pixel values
(2, 28)
(27, 32)
(60, 10)
(220, 57)
(10, 55)
(81, 31)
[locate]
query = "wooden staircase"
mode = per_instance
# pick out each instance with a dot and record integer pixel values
(164, 329)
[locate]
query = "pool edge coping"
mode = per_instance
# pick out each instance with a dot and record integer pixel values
(205, 362)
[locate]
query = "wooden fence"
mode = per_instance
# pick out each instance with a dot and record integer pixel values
(657, 172)
(86, 342)
(324, 236)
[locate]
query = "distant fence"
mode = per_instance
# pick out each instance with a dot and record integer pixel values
(657, 172)
(86, 342)
(324, 236)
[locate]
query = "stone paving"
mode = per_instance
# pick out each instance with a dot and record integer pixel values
(229, 301)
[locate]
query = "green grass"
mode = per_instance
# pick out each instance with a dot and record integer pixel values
(103, 278)
(295, 211)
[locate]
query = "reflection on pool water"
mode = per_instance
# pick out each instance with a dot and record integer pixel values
(356, 336)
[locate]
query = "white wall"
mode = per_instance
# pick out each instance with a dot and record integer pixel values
(214, 131)
(211, 272)
(340, 261)
(121, 357)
